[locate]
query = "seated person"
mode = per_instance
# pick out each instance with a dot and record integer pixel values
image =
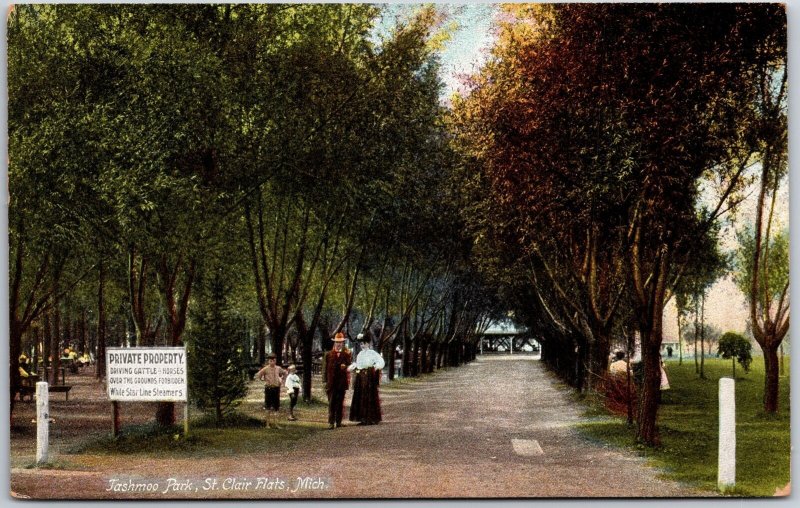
(619, 365)
(68, 360)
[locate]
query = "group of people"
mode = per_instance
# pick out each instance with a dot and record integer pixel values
(365, 407)
(274, 377)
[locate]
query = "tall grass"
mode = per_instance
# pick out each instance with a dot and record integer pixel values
(688, 421)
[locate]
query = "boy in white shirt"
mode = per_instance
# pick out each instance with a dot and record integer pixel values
(293, 388)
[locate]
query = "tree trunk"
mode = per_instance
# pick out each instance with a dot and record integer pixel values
(67, 330)
(650, 310)
(696, 332)
(100, 369)
(406, 354)
(261, 343)
(46, 343)
(55, 343)
(600, 352)
(307, 358)
(647, 432)
(278, 339)
(702, 336)
(389, 353)
(580, 368)
(37, 349)
(305, 337)
(15, 339)
(629, 347)
(415, 357)
(82, 336)
(771, 379)
(680, 341)
(165, 414)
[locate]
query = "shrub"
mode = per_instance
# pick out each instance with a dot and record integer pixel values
(736, 347)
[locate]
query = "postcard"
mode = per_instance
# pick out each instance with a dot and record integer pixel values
(398, 251)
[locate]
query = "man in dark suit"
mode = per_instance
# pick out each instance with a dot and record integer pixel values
(337, 379)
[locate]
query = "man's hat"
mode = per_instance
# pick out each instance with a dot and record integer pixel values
(339, 337)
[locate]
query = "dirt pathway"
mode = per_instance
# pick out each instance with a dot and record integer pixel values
(499, 427)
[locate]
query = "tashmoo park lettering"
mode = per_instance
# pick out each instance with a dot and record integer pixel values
(115, 485)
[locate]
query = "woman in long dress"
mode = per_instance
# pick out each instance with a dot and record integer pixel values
(366, 406)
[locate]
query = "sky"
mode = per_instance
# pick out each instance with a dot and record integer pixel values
(469, 45)
(471, 37)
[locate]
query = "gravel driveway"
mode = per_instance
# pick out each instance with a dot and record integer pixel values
(499, 427)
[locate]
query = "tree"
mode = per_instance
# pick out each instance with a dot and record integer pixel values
(736, 347)
(215, 349)
(763, 254)
(764, 278)
(51, 205)
(598, 125)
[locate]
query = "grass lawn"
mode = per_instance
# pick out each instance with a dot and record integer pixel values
(688, 420)
(241, 434)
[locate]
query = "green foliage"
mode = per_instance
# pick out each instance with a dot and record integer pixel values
(217, 368)
(735, 345)
(688, 424)
(774, 270)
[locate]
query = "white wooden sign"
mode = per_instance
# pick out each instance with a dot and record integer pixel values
(148, 374)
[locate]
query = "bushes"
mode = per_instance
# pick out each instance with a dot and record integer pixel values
(619, 395)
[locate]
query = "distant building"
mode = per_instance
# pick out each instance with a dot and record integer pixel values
(505, 336)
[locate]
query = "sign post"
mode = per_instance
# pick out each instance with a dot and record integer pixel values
(146, 374)
(726, 465)
(114, 418)
(42, 421)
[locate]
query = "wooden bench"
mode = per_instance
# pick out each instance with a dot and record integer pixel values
(61, 389)
(26, 391)
(30, 391)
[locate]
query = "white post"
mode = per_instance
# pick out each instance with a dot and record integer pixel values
(42, 421)
(726, 465)
(512, 344)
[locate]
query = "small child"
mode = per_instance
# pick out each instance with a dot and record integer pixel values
(293, 388)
